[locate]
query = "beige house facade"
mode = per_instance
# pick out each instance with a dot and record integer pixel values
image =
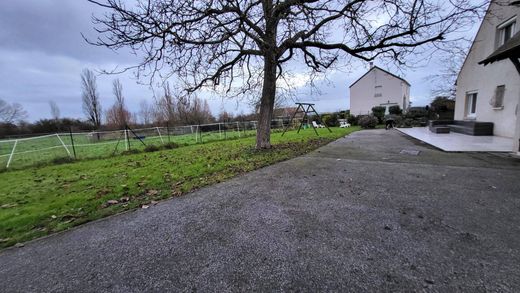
(491, 92)
(378, 87)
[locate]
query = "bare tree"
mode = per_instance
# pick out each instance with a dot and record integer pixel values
(10, 113)
(239, 46)
(117, 118)
(120, 113)
(443, 83)
(224, 116)
(55, 110)
(199, 112)
(146, 113)
(90, 97)
(166, 106)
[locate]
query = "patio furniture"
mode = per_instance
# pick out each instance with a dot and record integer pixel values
(316, 125)
(343, 124)
(474, 128)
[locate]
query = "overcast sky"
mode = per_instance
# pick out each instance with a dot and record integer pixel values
(42, 54)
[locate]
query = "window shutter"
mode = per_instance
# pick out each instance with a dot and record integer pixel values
(499, 96)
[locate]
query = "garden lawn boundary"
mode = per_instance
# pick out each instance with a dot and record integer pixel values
(17, 153)
(39, 201)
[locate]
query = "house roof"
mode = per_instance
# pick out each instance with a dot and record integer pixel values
(396, 76)
(511, 48)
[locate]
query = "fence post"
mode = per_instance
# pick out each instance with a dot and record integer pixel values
(12, 153)
(219, 131)
(62, 143)
(238, 129)
(168, 130)
(72, 142)
(160, 136)
(127, 138)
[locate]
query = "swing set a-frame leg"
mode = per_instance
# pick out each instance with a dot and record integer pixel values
(312, 124)
(292, 118)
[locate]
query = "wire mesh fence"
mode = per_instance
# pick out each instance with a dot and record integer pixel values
(58, 147)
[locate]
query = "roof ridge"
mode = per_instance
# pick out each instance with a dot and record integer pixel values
(385, 71)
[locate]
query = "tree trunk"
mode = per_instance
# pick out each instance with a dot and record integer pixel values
(263, 132)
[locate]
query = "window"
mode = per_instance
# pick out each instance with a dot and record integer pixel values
(497, 102)
(506, 31)
(379, 91)
(471, 105)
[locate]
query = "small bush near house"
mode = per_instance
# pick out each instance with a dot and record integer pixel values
(343, 114)
(398, 119)
(368, 122)
(330, 120)
(395, 110)
(443, 108)
(379, 113)
(416, 113)
(352, 119)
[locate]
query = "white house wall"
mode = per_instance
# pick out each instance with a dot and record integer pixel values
(485, 79)
(362, 93)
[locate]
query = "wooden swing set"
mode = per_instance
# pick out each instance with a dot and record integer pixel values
(305, 108)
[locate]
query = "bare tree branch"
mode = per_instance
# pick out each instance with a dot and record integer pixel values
(90, 97)
(238, 47)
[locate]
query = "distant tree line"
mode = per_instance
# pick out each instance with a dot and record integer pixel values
(167, 109)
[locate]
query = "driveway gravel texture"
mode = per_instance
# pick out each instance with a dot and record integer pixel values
(358, 215)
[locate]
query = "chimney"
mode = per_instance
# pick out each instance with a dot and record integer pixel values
(371, 64)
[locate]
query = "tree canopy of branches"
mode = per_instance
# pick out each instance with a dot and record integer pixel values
(118, 114)
(146, 113)
(55, 110)
(243, 45)
(179, 110)
(90, 97)
(10, 113)
(443, 83)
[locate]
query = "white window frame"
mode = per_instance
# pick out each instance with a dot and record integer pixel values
(470, 104)
(378, 91)
(501, 30)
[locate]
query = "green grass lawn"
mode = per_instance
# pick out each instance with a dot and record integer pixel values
(48, 149)
(41, 200)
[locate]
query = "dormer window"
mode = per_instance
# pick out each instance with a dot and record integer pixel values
(506, 31)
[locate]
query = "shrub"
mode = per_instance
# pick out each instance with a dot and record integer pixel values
(330, 120)
(379, 113)
(443, 108)
(151, 148)
(398, 119)
(407, 122)
(352, 119)
(62, 160)
(417, 112)
(170, 145)
(130, 152)
(367, 122)
(395, 110)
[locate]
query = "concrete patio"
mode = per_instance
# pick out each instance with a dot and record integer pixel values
(456, 142)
